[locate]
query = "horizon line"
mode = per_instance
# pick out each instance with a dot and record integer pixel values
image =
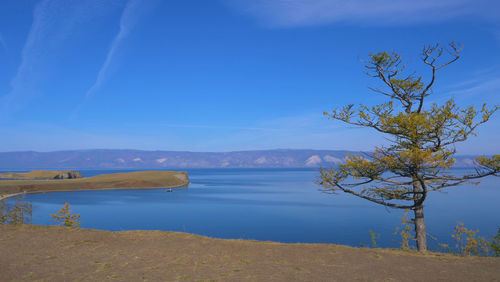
(216, 152)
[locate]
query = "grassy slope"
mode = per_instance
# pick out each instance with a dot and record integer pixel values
(35, 174)
(131, 180)
(53, 253)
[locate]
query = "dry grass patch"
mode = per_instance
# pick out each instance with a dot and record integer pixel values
(127, 180)
(38, 252)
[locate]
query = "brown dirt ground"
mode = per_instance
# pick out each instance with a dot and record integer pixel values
(48, 253)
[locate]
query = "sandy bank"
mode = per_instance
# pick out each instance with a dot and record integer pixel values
(128, 180)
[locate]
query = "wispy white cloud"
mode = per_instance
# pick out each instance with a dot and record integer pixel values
(482, 86)
(28, 55)
(133, 11)
(53, 22)
(302, 131)
(487, 90)
(284, 13)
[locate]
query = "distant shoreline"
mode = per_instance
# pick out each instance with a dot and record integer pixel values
(139, 159)
(113, 181)
(6, 196)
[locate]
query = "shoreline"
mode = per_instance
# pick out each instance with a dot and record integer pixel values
(6, 196)
(113, 181)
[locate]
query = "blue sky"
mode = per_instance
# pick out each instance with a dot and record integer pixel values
(225, 75)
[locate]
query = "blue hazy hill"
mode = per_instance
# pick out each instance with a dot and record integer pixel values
(137, 159)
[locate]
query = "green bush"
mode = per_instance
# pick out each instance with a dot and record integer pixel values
(20, 212)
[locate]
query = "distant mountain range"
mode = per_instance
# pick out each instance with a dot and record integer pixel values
(137, 159)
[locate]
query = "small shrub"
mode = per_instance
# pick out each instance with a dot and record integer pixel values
(66, 217)
(405, 231)
(443, 248)
(468, 242)
(374, 238)
(18, 213)
(495, 244)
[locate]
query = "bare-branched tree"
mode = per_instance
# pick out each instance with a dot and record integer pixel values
(423, 138)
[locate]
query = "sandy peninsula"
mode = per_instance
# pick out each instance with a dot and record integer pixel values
(127, 180)
(41, 174)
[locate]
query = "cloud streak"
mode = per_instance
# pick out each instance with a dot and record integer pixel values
(287, 13)
(487, 90)
(36, 34)
(126, 22)
(482, 86)
(308, 130)
(131, 14)
(53, 23)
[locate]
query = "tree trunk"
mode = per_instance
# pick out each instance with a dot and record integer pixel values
(420, 234)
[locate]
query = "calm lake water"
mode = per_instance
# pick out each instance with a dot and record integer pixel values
(282, 205)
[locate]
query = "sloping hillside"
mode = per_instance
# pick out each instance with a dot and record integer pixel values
(52, 253)
(82, 159)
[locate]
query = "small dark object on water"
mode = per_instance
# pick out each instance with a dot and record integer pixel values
(169, 190)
